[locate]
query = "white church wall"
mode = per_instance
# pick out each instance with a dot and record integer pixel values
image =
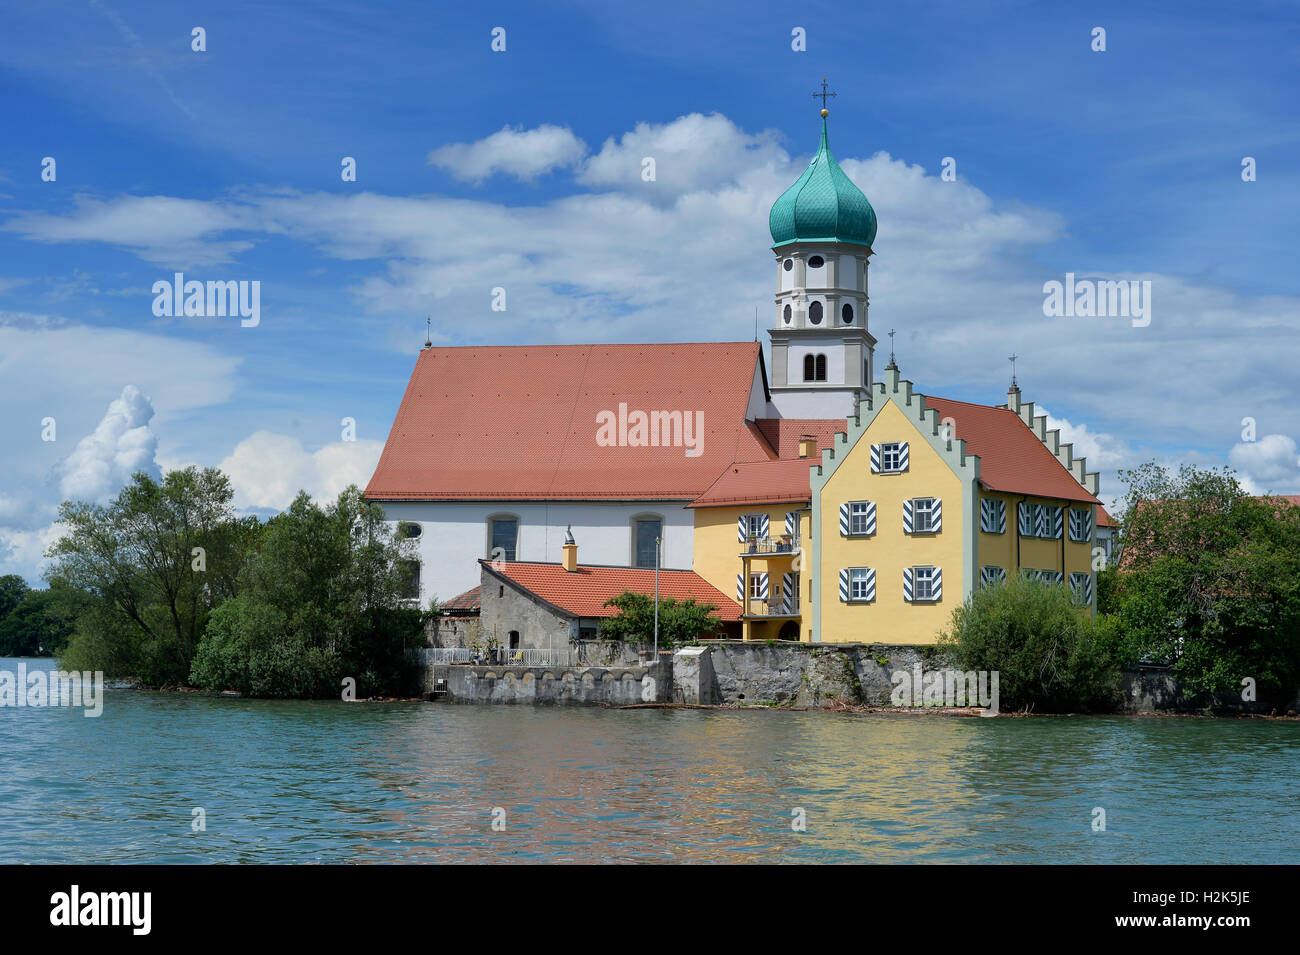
(455, 535)
(813, 404)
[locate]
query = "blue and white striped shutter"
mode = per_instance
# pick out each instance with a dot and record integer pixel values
(740, 588)
(1087, 526)
(792, 523)
(875, 459)
(1058, 522)
(1055, 576)
(1040, 520)
(936, 513)
(1000, 516)
(1087, 589)
(763, 526)
(787, 593)
(844, 519)
(936, 584)
(902, 456)
(742, 528)
(907, 583)
(1000, 574)
(871, 517)
(871, 583)
(844, 585)
(986, 515)
(762, 586)
(1026, 518)
(907, 516)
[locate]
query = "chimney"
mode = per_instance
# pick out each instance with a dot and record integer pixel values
(570, 550)
(807, 446)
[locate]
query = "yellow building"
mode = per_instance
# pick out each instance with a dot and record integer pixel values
(922, 499)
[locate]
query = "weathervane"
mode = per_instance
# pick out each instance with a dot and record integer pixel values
(891, 346)
(428, 337)
(823, 95)
(1012, 359)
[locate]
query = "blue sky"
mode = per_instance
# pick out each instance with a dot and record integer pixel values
(225, 164)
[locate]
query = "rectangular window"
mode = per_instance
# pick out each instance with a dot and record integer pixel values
(922, 515)
(1081, 588)
(993, 515)
(410, 571)
(505, 534)
(647, 533)
(858, 583)
(891, 455)
(755, 586)
(992, 574)
(858, 517)
(923, 583)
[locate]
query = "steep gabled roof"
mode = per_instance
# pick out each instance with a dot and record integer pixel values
(1012, 459)
(582, 593)
(520, 422)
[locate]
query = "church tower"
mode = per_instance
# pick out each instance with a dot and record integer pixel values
(822, 229)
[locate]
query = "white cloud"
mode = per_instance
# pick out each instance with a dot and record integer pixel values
(690, 153)
(104, 460)
(522, 153)
(22, 552)
(1269, 464)
(268, 470)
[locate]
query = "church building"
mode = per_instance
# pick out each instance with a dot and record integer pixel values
(836, 507)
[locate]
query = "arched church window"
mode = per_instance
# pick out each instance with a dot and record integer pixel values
(809, 368)
(789, 264)
(821, 368)
(786, 314)
(815, 313)
(816, 262)
(846, 313)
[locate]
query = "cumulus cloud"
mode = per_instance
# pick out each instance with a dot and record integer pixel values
(122, 444)
(268, 470)
(690, 153)
(1269, 464)
(522, 153)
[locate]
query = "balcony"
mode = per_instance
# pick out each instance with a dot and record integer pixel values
(771, 547)
(765, 610)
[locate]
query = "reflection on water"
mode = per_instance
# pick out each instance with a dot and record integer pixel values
(417, 782)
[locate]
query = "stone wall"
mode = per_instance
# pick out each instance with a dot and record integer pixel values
(453, 631)
(504, 608)
(614, 686)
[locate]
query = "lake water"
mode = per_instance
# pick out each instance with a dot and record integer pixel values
(418, 782)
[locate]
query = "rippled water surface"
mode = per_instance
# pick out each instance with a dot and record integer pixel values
(417, 782)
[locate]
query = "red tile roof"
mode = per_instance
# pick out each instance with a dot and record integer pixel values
(1104, 519)
(1012, 459)
(582, 593)
(519, 422)
(783, 433)
(462, 603)
(771, 482)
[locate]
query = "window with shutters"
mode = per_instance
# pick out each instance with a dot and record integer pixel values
(858, 517)
(993, 515)
(923, 583)
(922, 515)
(755, 586)
(858, 584)
(1079, 587)
(891, 456)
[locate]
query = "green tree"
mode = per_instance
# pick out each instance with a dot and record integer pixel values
(1211, 581)
(12, 591)
(42, 622)
(320, 601)
(1049, 655)
(161, 555)
(680, 621)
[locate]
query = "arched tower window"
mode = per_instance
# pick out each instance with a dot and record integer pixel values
(846, 313)
(820, 368)
(786, 314)
(809, 368)
(815, 313)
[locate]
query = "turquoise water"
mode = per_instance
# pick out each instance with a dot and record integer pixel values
(417, 782)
